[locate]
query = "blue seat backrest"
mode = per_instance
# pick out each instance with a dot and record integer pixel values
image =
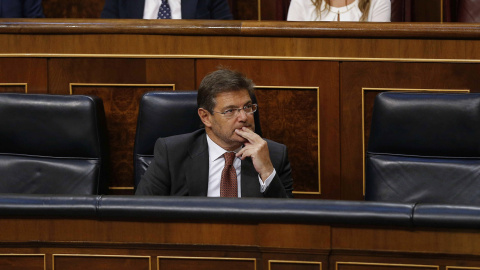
(53, 144)
(424, 148)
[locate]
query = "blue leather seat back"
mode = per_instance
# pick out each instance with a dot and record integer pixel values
(162, 114)
(424, 148)
(53, 144)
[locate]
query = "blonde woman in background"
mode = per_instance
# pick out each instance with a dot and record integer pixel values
(340, 10)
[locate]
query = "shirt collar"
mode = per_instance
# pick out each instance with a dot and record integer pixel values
(215, 151)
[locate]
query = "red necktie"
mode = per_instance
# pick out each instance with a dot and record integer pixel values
(228, 182)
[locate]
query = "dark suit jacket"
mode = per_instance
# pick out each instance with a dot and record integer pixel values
(191, 9)
(21, 9)
(180, 168)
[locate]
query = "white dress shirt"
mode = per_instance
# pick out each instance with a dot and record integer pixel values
(304, 10)
(216, 163)
(151, 8)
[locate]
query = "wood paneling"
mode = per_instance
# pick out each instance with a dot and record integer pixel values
(30, 71)
(236, 46)
(121, 111)
(398, 240)
(205, 263)
(22, 261)
(64, 71)
(82, 262)
(427, 11)
(110, 244)
(303, 236)
(356, 76)
(248, 39)
(268, 9)
(72, 8)
(180, 72)
(244, 9)
(139, 27)
(382, 266)
(284, 111)
(147, 233)
(120, 83)
(294, 265)
(289, 115)
(13, 88)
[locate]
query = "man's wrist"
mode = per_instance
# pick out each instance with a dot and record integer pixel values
(265, 175)
(266, 183)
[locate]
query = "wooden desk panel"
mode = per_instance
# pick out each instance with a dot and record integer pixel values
(107, 244)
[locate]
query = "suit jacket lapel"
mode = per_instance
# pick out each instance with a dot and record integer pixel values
(189, 8)
(197, 168)
(250, 184)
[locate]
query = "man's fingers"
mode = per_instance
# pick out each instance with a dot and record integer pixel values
(239, 154)
(247, 133)
(242, 154)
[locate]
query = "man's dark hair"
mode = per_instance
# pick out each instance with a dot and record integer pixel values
(220, 81)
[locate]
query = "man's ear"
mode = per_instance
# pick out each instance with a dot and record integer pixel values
(205, 117)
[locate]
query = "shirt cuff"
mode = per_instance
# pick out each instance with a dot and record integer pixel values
(264, 185)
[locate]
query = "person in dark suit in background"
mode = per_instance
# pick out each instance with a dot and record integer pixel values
(194, 164)
(21, 9)
(180, 9)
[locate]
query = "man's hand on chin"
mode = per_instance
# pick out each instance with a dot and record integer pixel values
(257, 149)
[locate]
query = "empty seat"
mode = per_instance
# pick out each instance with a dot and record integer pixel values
(424, 148)
(52, 144)
(162, 114)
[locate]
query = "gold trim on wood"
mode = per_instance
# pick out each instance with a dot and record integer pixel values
(102, 256)
(386, 264)
(318, 131)
(16, 84)
(206, 258)
(259, 13)
(121, 188)
(28, 255)
(364, 89)
(241, 57)
(441, 11)
(462, 268)
(293, 262)
(71, 85)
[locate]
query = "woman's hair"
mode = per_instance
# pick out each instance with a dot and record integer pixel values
(363, 5)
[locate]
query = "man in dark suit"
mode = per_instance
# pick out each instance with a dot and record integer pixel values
(21, 9)
(190, 9)
(194, 164)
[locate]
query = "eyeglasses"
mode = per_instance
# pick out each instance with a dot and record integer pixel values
(249, 109)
